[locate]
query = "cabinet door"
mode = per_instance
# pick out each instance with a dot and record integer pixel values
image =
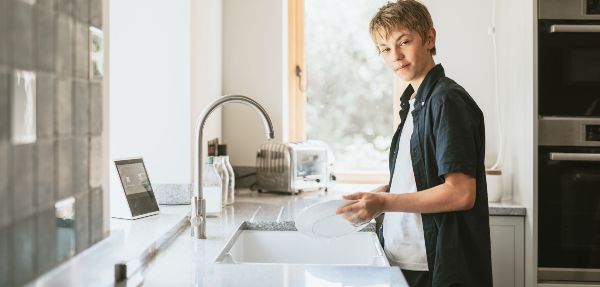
(508, 253)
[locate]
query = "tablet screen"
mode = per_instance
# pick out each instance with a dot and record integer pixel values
(137, 187)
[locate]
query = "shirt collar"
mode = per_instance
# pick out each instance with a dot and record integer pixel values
(431, 78)
(405, 97)
(406, 94)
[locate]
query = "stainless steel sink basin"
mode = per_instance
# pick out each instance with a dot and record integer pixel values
(281, 243)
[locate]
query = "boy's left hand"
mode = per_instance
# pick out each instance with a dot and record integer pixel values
(369, 206)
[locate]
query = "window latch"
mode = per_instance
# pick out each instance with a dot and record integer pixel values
(301, 83)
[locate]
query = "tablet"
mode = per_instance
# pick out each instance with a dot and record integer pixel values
(137, 187)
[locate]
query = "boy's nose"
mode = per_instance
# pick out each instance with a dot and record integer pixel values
(398, 55)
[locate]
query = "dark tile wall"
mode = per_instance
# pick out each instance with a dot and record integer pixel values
(51, 39)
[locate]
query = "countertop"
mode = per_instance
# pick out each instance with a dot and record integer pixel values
(189, 261)
(506, 209)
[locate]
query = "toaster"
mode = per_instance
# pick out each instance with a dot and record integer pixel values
(293, 167)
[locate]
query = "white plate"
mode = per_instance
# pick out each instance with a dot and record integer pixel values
(320, 220)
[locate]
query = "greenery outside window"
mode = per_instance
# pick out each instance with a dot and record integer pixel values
(340, 90)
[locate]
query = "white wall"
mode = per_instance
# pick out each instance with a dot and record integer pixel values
(150, 86)
(516, 37)
(165, 67)
(206, 64)
(254, 65)
(464, 48)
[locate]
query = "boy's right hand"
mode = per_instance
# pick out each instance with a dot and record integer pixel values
(368, 206)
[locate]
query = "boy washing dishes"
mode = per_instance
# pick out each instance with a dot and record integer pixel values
(436, 224)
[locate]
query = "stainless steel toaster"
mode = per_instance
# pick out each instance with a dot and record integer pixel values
(293, 167)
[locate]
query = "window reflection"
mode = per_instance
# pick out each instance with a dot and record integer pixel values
(65, 228)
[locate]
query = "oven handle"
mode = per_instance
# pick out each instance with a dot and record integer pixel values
(561, 156)
(561, 28)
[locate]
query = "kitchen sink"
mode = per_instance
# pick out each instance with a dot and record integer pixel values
(281, 243)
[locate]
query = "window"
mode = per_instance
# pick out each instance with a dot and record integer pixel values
(345, 91)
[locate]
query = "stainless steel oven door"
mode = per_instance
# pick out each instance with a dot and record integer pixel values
(569, 214)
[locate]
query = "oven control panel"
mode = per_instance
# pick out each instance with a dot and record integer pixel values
(566, 131)
(592, 132)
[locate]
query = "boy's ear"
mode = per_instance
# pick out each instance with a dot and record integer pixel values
(431, 39)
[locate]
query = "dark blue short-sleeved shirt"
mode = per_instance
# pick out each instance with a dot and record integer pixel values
(449, 137)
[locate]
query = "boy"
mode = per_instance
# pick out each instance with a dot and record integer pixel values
(438, 236)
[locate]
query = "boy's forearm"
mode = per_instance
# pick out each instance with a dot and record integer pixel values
(441, 198)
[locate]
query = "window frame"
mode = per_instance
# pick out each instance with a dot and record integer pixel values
(296, 84)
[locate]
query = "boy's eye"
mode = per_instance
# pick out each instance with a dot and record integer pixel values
(385, 50)
(404, 43)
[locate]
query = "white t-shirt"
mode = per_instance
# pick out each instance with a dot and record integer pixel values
(403, 232)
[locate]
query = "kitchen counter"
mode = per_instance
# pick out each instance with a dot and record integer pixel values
(189, 261)
(506, 209)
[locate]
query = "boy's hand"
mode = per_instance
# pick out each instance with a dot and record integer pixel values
(369, 206)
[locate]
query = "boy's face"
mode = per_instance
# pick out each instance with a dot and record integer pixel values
(406, 54)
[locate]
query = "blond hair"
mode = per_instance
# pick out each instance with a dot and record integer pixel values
(409, 14)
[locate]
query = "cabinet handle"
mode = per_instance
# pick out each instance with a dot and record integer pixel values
(575, 29)
(561, 156)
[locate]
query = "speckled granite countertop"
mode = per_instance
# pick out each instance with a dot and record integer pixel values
(507, 209)
(189, 261)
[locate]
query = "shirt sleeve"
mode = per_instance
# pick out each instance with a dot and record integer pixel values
(457, 134)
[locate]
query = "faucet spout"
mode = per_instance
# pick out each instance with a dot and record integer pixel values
(198, 204)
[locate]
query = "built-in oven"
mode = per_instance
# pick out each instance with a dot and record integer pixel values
(569, 141)
(569, 199)
(569, 58)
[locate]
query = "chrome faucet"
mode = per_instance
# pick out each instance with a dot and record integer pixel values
(198, 214)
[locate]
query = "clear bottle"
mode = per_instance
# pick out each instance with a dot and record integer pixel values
(231, 185)
(211, 187)
(221, 168)
(222, 151)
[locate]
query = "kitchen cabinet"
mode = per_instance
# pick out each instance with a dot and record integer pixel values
(507, 234)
